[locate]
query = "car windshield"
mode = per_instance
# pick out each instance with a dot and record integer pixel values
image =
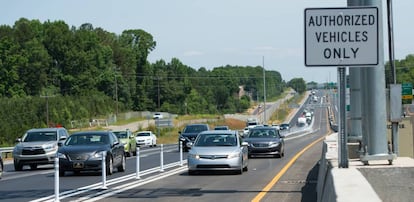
(143, 134)
(40, 136)
(195, 129)
(265, 133)
(87, 139)
(121, 134)
(208, 140)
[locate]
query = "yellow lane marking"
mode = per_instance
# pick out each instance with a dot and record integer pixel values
(283, 171)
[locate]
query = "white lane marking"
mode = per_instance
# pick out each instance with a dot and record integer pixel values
(98, 185)
(131, 185)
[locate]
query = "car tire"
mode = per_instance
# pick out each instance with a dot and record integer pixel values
(239, 172)
(135, 152)
(191, 172)
(61, 173)
(128, 153)
(33, 166)
(1, 170)
(121, 168)
(110, 166)
(245, 169)
(18, 166)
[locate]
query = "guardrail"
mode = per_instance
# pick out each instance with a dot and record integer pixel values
(7, 151)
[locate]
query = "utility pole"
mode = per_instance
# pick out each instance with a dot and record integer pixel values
(116, 93)
(47, 107)
(158, 80)
(264, 93)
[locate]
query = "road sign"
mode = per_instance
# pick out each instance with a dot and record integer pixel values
(407, 93)
(341, 36)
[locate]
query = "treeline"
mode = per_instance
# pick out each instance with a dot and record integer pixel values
(404, 70)
(83, 72)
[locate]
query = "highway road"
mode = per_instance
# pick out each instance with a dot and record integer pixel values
(291, 178)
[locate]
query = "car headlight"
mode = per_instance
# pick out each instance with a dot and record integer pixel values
(233, 155)
(194, 156)
(50, 147)
(97, 156)
(274, 144)
(61, 155)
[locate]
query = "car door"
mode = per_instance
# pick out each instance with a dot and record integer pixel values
(245, 151)
(117, 149)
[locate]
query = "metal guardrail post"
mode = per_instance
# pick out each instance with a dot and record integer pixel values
(162, 158)
(138, 166)
(57, 178)
(181, 152)
(104, 170)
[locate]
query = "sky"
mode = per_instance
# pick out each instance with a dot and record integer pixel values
(212, 33)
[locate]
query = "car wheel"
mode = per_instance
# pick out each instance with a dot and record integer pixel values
(33, 166)
(246, 168)
(135, 152)
(240, 171)
(110, 166)
(191, 172)
(61, 173)
(18, 166)
(1, 170)
(121, 168)
(128, 153)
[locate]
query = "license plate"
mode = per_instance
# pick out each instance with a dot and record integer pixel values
(78, 165)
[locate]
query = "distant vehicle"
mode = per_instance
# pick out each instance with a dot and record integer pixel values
(158, 115)
(190, 133)
(127, 138)
(146, 138)
(265, 141)
(38, 146)
(284, 126)
(252, 122)
(82, 151)
(301, 121)
(1, 166)
(218, 150)
(221, 128)
(245, 131)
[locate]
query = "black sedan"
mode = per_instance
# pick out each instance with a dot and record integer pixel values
(82, 151)
(265, 141)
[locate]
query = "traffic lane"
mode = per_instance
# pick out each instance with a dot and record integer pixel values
(216, 186)
(299, 184)
(33, 184)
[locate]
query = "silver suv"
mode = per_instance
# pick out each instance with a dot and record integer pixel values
(38, 146)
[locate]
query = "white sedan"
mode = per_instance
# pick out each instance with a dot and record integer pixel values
(146, 138)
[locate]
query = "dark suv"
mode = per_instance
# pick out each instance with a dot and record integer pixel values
(189, 134)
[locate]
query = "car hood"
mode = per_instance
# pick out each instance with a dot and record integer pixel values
(36, 144)
(82, 148)
(262, 140)
(189, 134)
(143, 138)
(221, 150)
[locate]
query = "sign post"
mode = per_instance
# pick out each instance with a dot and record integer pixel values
(341, 37)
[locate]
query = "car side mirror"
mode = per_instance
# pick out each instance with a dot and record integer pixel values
(19, 140)
(245, 144)
(189, 144)
(62, 138)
